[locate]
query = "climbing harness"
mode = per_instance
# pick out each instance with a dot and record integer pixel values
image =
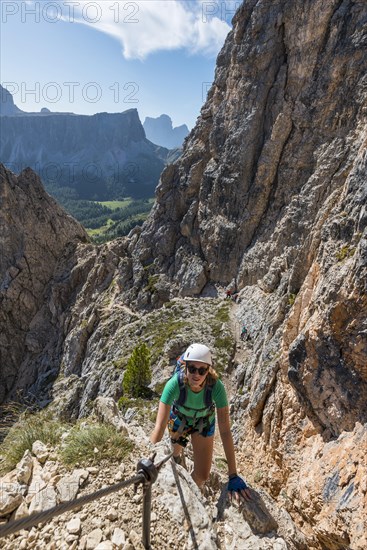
(181, 429)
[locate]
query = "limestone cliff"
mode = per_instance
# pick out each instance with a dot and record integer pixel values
(35, 234)
(269, 196)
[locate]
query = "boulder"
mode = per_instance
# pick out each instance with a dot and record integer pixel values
(107, 411)
(24, 468)
(9, 502)
(40, 451)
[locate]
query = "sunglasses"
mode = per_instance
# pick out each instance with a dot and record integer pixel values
(199, 370)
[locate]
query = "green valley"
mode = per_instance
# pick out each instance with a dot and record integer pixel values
(105, 220)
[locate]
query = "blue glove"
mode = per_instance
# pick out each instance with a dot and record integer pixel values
(236, 483)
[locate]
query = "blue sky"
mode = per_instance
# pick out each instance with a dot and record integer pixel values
(108, 56)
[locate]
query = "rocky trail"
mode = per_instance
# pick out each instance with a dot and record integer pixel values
(115, 522)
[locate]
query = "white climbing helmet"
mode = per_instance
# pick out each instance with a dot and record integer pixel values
(198, 352)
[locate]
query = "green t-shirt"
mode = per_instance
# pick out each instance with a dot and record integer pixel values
(194, 401)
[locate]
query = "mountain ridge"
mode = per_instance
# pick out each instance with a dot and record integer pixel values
(101, 156)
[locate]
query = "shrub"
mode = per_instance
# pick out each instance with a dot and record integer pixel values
(138, 373)
(21, 436)
(291, 298)
(94, 443)
(345, 252)
(152, 281)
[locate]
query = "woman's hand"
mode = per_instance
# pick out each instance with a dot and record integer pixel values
(237, 488)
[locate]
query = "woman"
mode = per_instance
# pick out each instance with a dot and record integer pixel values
(185, 405)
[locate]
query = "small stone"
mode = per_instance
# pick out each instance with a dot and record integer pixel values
(97, 522)
(93, 539)
(71, 538)
(118, 538)
(112, 514)
(119, 476)
(73, 526)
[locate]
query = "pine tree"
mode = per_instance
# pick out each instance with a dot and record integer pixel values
(138, 374)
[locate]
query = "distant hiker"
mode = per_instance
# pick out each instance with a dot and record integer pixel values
(231, 295)
(187, 406)
(244, 334)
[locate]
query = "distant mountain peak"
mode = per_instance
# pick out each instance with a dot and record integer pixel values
(160, 131)
(7, 105)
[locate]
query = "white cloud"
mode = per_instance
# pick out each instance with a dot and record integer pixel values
(147, 26)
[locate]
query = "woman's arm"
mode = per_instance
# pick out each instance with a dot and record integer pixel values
(226, 437)
(161, 422)
(236, 486)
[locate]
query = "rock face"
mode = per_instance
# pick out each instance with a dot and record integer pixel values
(101, 156)
(160, 130)
(35, 235)
(269, 196)
(271, 151)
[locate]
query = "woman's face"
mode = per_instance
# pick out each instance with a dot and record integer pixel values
(196, 373)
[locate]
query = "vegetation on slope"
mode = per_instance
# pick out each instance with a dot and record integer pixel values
(103, 221)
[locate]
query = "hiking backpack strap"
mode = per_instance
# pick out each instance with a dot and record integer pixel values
(183, 390)
(208, 398)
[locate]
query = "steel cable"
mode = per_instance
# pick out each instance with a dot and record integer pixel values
(42, 517)
(184, 505)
